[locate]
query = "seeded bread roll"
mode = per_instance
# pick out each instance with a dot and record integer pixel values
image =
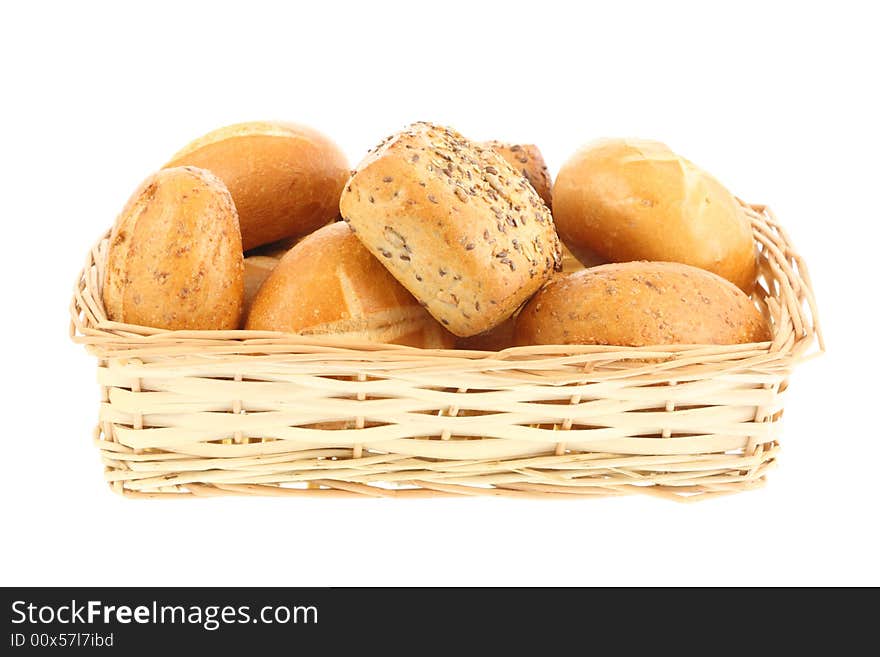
(175, 260)
(527, 159)
(329, 284)
(638, 304)
(285, 179)
(454, 223)
(630, 199)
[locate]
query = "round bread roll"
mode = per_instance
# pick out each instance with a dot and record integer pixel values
(640, 303)
(175, 260)
(285, 179)
(628, 199)
(329, 284)
(454, 223)
(527, 159)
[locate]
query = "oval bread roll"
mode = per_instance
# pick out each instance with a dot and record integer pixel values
(454, 223)
(638, 304)
(175, 260)
(285, 179)
(628, 199)
(527, 159)
(329, 284)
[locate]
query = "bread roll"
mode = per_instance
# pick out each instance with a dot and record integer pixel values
(285, 178)
(527, 159)
(453, 222)
(174, 260)
(640, 303)
(329, 284)
(628, 199)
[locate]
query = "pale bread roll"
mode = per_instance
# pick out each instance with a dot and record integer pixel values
(330, 285)
(174, 259)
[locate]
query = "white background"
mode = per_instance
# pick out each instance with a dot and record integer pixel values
(778, 100)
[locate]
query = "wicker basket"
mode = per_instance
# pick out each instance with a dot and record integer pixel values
(246, 412)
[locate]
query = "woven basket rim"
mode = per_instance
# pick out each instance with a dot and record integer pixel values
(792, 338)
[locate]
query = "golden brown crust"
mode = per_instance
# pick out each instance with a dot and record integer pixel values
(638, 304)
(175, 259)
(527, 159)
(285, 179)
(628, 199)
(454, 223)
(329, 284)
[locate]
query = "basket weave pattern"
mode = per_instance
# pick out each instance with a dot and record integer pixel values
(250, 412)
